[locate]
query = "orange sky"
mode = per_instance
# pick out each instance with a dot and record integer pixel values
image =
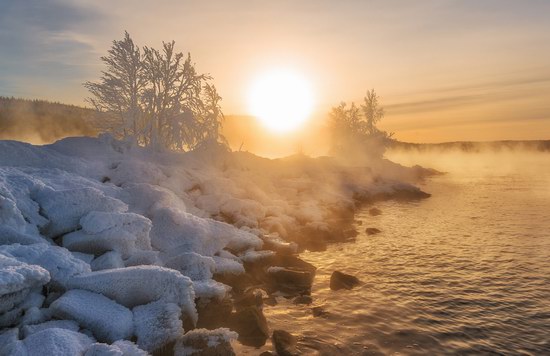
(445, 69)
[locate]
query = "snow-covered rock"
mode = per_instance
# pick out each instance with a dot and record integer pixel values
(192, 265)
(55, 341)
(133, 286)
(59, 262)
(107, 320)
(108, 260)
(65, 208)
(61, 324)
(157, 324)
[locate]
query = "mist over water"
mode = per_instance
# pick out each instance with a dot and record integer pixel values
(466, 271)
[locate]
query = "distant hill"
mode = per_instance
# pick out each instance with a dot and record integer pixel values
(474, 147)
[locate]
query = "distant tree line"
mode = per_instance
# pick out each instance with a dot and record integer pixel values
(354, 130)
(156, 97)
(40, 121)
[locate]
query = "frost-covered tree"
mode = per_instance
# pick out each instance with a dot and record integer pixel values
(354, 128)
(372, 112)
(158, 96)
(120, 87)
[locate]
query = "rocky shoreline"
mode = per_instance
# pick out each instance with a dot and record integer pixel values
(282, 273)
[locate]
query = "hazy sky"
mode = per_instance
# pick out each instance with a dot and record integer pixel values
(446, 70)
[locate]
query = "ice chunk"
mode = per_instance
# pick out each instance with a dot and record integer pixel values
(192, 265)
(132, 286)
(128, 348)
(144, 199)
(86, 257)
(157, 324)
(210, 289)
(108, 320)
(110, 240)
(108, 260)
(228, 266)
(56, 341)
(17, 279)
(10, 344)
(177, 230)
(59, 262)
(9, 235)
(143, 258)
(97, 222)
(65, 208)
(99, 349)
(62, 324)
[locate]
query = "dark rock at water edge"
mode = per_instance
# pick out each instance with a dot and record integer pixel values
(290, 280)
(284, 343)
(375, 211)
(214, 314)
(319, 311)
(250, 298)
(251, 325)
(204, 343)
(339, 280)
(372, 231)
(303, 299)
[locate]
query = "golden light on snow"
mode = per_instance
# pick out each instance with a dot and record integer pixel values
(281, 99)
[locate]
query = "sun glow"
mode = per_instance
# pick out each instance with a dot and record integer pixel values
(281, 99)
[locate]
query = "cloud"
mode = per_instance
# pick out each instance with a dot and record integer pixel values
(42, 48)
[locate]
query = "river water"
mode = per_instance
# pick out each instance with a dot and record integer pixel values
(466, 271)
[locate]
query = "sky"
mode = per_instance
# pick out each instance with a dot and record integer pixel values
(446, 70)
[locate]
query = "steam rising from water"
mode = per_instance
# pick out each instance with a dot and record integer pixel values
(40, 122)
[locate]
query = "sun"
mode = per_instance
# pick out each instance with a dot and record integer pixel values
(281, 99)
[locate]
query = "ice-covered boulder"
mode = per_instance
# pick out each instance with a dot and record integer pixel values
(108, 260)
(142, 257)
(133, 286)
(157, 324)
(8, 235)
(145, 199)
(17, 279)
(61, 324)
(227, 265)
(108, 320)
(102, 232)
(56, 341)
(97, 222)
(192, 265)
(65, 208)
(59, 262)
(209, 289)
(110, 240)
(119, 348)
(32, 300)
(174, 230)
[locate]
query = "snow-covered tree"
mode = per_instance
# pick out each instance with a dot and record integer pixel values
(354, 128)
(120, 87)
(158, 97)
